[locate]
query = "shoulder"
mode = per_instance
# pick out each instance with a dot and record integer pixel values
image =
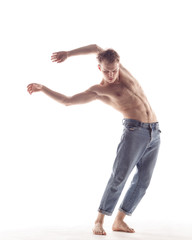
(95, 88)
(124, 71)
(101, 92)
(126, 77)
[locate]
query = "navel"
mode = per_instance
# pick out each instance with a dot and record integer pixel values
(118, 94)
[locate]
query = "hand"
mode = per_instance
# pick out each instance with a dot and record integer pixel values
(59, 56)
(34, 87)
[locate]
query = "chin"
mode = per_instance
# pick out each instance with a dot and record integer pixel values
(111, 80)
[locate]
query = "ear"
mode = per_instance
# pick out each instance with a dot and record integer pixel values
(99, 66)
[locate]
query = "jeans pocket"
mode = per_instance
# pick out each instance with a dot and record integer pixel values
(132, 128)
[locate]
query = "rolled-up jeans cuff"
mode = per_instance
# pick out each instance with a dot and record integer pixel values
(104, 212)
(121, 210)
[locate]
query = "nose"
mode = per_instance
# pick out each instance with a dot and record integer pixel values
(110, 74)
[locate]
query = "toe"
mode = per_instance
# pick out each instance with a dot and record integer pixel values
(99, 232)
(131, 230)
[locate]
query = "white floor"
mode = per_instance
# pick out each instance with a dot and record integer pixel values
(147, 231)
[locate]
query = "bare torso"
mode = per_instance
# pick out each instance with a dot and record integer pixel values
(126, 96)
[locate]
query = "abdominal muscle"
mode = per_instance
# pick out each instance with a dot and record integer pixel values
(145, 116)
(132, 105)
(141, 112)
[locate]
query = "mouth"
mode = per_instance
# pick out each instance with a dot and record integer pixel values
(111, 81)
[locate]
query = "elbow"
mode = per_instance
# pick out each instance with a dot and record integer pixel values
(66, 101)
(97, 48)
(67, 104)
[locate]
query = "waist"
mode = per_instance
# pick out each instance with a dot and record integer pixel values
(136, 123)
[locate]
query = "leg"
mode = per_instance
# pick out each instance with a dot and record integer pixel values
(98, 228)
(139, 185)
(129, 151)
(141, 179)
(120, 225)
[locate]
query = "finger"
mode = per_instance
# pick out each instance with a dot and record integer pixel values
(60, 60)
(54, 57)
(30, 92)
(30, 88)
(54, 60)
(55, 53)
(31, 84)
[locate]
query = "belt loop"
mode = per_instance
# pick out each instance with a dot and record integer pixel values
(150, 131)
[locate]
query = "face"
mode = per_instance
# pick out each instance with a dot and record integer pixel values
(110, 71)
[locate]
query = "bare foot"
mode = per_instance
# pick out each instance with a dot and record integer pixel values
(98, 229)
(120, 225)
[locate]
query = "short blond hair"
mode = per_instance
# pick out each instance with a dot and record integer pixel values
(109, 55)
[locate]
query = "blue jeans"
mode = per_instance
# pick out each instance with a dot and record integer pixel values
(138, 148)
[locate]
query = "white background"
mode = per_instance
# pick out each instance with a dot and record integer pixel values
(55, 160)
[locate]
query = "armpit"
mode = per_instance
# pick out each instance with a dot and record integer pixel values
(104, 99)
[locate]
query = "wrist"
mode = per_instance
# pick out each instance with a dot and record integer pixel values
(43, 88)
(68, 54)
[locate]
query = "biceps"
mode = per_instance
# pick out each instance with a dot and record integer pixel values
(82, 98)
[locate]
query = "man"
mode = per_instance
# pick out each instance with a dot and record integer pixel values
(140, 141)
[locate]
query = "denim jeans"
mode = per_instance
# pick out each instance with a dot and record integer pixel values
(138, 148)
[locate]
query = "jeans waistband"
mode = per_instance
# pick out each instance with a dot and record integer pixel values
(136, 123)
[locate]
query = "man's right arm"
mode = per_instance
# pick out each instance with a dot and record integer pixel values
(63, 55)
(80, 98)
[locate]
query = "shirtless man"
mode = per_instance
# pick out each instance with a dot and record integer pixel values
(140, 141)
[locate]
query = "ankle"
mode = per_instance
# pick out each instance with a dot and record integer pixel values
(98, 221)
(120, 217)
(117, 219)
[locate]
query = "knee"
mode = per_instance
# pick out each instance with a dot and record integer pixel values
(144, 184)
(117, 182)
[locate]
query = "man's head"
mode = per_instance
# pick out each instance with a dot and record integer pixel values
(109, 65)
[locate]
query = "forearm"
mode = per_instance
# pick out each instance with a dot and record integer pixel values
(90, 49)
(55, 95)
(80, 98)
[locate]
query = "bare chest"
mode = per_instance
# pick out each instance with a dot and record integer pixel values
(120, 95)
(118, 91)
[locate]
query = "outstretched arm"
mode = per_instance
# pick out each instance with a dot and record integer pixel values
(79, 98)
(63, 55)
